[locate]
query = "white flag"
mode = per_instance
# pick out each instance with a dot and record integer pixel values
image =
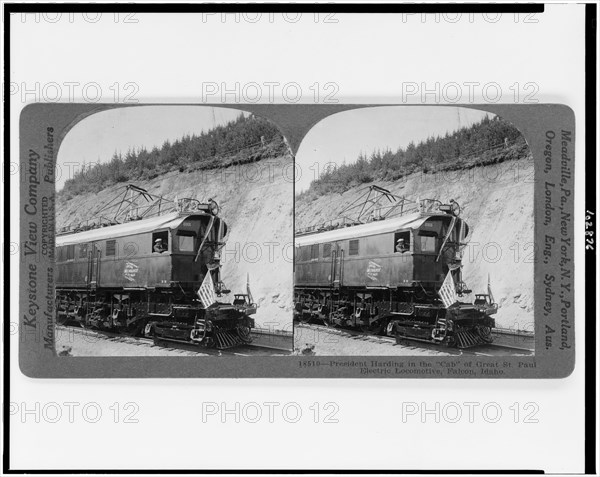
(248, 288)
(448, 291)
(206, 292)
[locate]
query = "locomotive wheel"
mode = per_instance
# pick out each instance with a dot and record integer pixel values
(83, 323)
(209, 342)
(245, 333)
(61, 319)
(150, 333)
(390, 329)
(374, 328)
(305, 318)
(136, 328)
(485, 332)
(58, 307)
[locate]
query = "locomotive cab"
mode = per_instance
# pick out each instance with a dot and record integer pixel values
(196, 248)
(438, 248)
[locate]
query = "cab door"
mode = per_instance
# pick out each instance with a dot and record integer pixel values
(94, 256)
(337, 265)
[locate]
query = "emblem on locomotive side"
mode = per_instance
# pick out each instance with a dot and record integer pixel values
(130, 271)
(373, 270)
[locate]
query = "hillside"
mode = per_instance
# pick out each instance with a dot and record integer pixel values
(257, 204)
(490, 141)
(496, 201)
(244, 140)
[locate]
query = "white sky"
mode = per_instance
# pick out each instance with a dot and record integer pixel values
(96, 138)
(342, 137)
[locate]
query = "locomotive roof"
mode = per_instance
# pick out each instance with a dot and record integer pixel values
(171, 220)
(409, 221)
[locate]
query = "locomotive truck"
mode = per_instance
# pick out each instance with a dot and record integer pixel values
(143, 277)
(399, 276)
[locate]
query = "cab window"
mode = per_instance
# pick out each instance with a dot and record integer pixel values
(160, 242)
(111, 248)
(427, 242)
(304, 253)
(185, 242)
(401, 242)
(353, 247)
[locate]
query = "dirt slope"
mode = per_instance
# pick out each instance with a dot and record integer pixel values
(497, 203)
(256, 202)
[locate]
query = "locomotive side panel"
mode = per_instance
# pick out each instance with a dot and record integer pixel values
(370, 261)
(72, 264)
(427, 271)
(313, 265)
(401, 258)
(123, 262)
(145, 272)
(151, 259)
(187, 272)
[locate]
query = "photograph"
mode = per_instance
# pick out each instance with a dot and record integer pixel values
(414, 234)
(173, 232)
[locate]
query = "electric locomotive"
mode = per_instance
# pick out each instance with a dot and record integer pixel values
(399, 276)
(157, 276)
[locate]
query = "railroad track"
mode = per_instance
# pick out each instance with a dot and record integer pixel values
(491, 349)
(270, 343)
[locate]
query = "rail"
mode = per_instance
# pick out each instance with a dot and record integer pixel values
(279, 341)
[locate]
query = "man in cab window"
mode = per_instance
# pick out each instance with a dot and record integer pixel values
(158, 246)
(401, 246)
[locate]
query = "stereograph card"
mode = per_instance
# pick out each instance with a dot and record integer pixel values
(456, 262)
